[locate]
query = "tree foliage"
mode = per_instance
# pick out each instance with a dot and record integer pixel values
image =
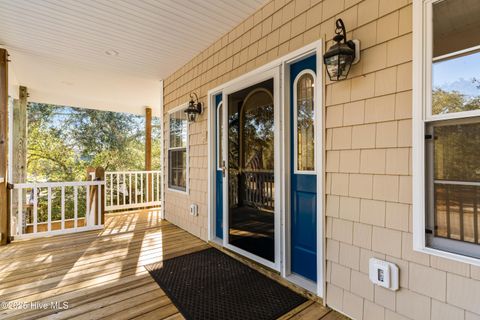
(444, 102)
(64, 141)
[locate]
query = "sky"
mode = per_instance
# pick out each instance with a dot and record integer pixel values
(457, 74)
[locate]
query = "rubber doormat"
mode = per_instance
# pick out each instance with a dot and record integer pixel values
(211, 285)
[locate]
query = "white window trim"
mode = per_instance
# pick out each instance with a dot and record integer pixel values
(219, 141)
(421, 113)
(295, 123)
(187, 147)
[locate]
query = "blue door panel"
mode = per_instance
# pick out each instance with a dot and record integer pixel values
(303, 199)
(219, 206)
(305, 204)
(304, 182)
(218, 180)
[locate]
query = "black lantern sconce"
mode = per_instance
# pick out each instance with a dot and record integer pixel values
(340, 57)
(194, 108)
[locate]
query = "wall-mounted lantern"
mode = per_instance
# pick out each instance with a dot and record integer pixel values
(340, 57)
(194, 108)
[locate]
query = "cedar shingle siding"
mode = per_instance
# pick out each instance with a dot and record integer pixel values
(368, 153)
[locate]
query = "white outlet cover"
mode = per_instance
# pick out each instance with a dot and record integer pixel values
(384, 274)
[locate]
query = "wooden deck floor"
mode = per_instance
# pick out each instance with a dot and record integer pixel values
(100, 274)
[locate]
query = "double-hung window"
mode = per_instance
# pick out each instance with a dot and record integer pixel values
(177, 151)
(447, 128)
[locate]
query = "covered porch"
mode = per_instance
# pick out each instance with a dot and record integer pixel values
(101, 274)
(71, 256)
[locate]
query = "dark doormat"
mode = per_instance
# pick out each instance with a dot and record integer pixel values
(211, 285)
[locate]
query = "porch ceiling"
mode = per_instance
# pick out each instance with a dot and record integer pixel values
(153, 38)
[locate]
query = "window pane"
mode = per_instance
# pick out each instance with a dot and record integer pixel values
(456, 79)
(178, 129)
(455, 25)
(457, 152)
(305, 124)
(456, 84)
(258, 130)
(456, 213)
(177, 160)
(456, 175)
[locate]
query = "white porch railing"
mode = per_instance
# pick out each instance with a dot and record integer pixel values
(132, 189)
(51, 208)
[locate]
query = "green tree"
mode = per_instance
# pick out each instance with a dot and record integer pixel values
(452, 101)
(64, 141)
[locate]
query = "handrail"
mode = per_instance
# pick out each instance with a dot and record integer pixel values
(132, 189)
(57, 184)
(25, 212)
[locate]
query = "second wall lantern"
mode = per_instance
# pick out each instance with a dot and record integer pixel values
(340, 57)
(194, 108)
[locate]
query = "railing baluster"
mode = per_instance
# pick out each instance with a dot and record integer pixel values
(158, 187)
(152, 188)
(130, 188)
(460, 211)
(75, 207)
(118, 188)
(63, 208)
(124, 189)
(99, 199)
(49, 209)
(141, 187)
(475, 216)
(447, 203)
(88, 216)
(136, 182)
(111, 189)
(147, 188)
(35, 209)
(20, 211)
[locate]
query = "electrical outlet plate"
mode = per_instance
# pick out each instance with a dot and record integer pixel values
(194, 210)
(384, 274)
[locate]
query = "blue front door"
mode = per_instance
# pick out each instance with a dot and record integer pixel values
(218, 168)
(303, 170)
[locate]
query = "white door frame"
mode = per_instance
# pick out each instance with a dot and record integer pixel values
(274, 74)
(283, 199)
(319, 170)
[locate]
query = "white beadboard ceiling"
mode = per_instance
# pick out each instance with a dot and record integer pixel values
(153, 38)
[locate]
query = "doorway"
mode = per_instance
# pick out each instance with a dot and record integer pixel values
(251, 178)
(266, 182)
(250, 170)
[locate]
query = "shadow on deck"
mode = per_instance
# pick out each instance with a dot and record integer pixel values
(100, 274)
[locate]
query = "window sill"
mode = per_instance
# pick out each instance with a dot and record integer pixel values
(448, 255)
(178, 191)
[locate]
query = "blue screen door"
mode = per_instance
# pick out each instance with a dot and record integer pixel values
(303, 172)
(218, 168)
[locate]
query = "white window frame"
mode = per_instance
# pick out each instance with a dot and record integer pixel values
(422, 114)
(218, 135)
(187, 148)
(295, 123)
